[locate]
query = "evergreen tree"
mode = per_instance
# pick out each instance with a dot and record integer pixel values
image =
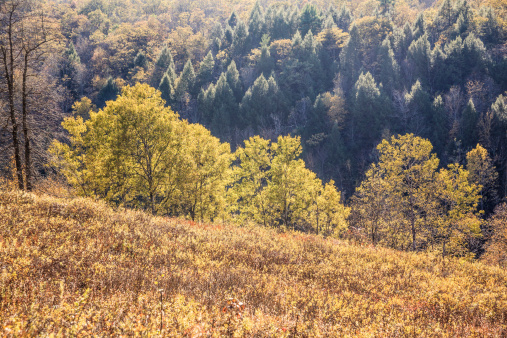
(419, 27)
(233, 20)
(140, 60)
(469, 125)
(281, 27)
(419, 105)
(253, 106)
(266, 63)
(438, 69)
(368, 112)
(240, 40)
(186, 82)
(419, 55)
(350, 60)
(454, 63)
(225, 108)
(499, 108)
(228, 37)
(167, 90)
(445, 15)
(234, 81)
(164, 61)
(309, 19)
(205, 73)
(70, 71)
(388, 73)
(256, 25)
(344, 19)
(108, 92)
(490, 30)
(475, 55)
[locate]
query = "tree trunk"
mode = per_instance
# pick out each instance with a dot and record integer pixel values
(28, 160)
(8, 62)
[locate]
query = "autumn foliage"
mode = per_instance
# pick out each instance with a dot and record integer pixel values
(78, 267)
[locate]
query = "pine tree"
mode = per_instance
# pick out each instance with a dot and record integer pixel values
(499, 108)
(70, 71)
(350, 59)
(419, 55)
(419, 28)
(256, 25)
(166, 89)
(225, 108)
(469, 125)
(368, 112)
(186, 82)
(344, 19)
(234, 81)
(233, 20)
(419, 105)
(490, 29)
(140, 60)
(389, 71)
(164, 61)
(240, 40)
(108, 92)
(309, 20)
(266, 63)
(445, 15)
(253, 105)
(205, 73)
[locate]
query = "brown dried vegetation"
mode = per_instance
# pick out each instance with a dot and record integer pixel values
(78, 267)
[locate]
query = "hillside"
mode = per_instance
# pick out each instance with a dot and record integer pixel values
(77, 267)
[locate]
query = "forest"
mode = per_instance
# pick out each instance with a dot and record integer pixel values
(379, 120)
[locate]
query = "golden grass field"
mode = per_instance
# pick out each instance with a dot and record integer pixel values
(76, 267)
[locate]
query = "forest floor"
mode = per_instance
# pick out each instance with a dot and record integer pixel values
(76, 267)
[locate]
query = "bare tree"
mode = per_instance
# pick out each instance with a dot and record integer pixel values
(26, 33)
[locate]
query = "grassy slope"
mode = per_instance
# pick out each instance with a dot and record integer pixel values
(78, 267)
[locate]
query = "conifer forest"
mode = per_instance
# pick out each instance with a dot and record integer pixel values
(208, 148)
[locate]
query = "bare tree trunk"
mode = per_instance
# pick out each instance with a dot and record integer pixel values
(8, 63)
(28, 160)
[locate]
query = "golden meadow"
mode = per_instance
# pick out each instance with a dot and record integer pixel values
(76, 267)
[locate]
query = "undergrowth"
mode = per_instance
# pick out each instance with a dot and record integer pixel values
(75, 267)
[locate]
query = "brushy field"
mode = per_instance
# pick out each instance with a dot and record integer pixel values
(75, 267)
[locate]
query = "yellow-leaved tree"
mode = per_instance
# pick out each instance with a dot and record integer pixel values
(455, 209)
(404, 202)
(137, 152)
(273, 187)
(393, 199)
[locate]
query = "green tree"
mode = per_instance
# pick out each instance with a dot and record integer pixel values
(126, 152)
(166, 89)
(185, 83)
(163, 63)
(419, 56)
(205, 72)
(469, 122)
(309, 20)
(350, 59)
(389, 71)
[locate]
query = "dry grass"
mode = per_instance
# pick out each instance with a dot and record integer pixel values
(76, 267)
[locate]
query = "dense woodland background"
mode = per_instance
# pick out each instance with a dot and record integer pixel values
(338, 78)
